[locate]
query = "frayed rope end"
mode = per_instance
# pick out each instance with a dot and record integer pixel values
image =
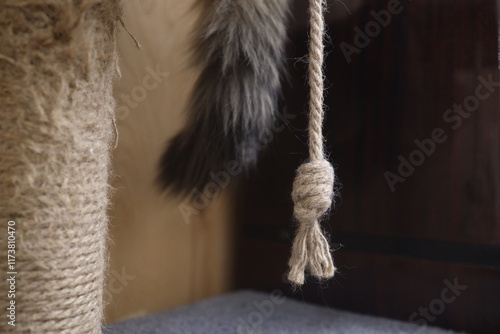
(312, 195)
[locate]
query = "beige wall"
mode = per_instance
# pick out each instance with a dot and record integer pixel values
(157, 260)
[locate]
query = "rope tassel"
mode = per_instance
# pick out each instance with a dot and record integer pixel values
(313, 185)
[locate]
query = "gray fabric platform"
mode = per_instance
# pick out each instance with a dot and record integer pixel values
(249, 312)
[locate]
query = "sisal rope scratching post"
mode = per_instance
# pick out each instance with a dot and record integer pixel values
(313, 185)
(57, 64)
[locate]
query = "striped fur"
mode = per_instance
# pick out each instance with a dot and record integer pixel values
(240, 48)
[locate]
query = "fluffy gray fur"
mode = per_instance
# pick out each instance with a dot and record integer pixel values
(240, 47)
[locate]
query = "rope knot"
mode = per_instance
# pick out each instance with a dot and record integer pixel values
(313, 190)
(313, 186)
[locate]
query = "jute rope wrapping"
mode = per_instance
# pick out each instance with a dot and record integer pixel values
(57, 63)
(313, 186)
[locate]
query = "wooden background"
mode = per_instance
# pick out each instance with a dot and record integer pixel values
(157, 259)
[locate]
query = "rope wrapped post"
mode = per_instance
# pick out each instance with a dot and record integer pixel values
(57, 66)
(313, 185)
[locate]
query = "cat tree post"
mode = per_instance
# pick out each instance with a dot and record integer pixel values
(57, 64)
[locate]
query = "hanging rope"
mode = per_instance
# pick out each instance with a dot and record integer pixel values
(313, 185)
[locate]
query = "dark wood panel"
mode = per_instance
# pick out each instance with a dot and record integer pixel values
(395, 90)
(398, 90)
(424, 62)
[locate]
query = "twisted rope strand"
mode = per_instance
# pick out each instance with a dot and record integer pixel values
(313, 185)
(316, 50)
